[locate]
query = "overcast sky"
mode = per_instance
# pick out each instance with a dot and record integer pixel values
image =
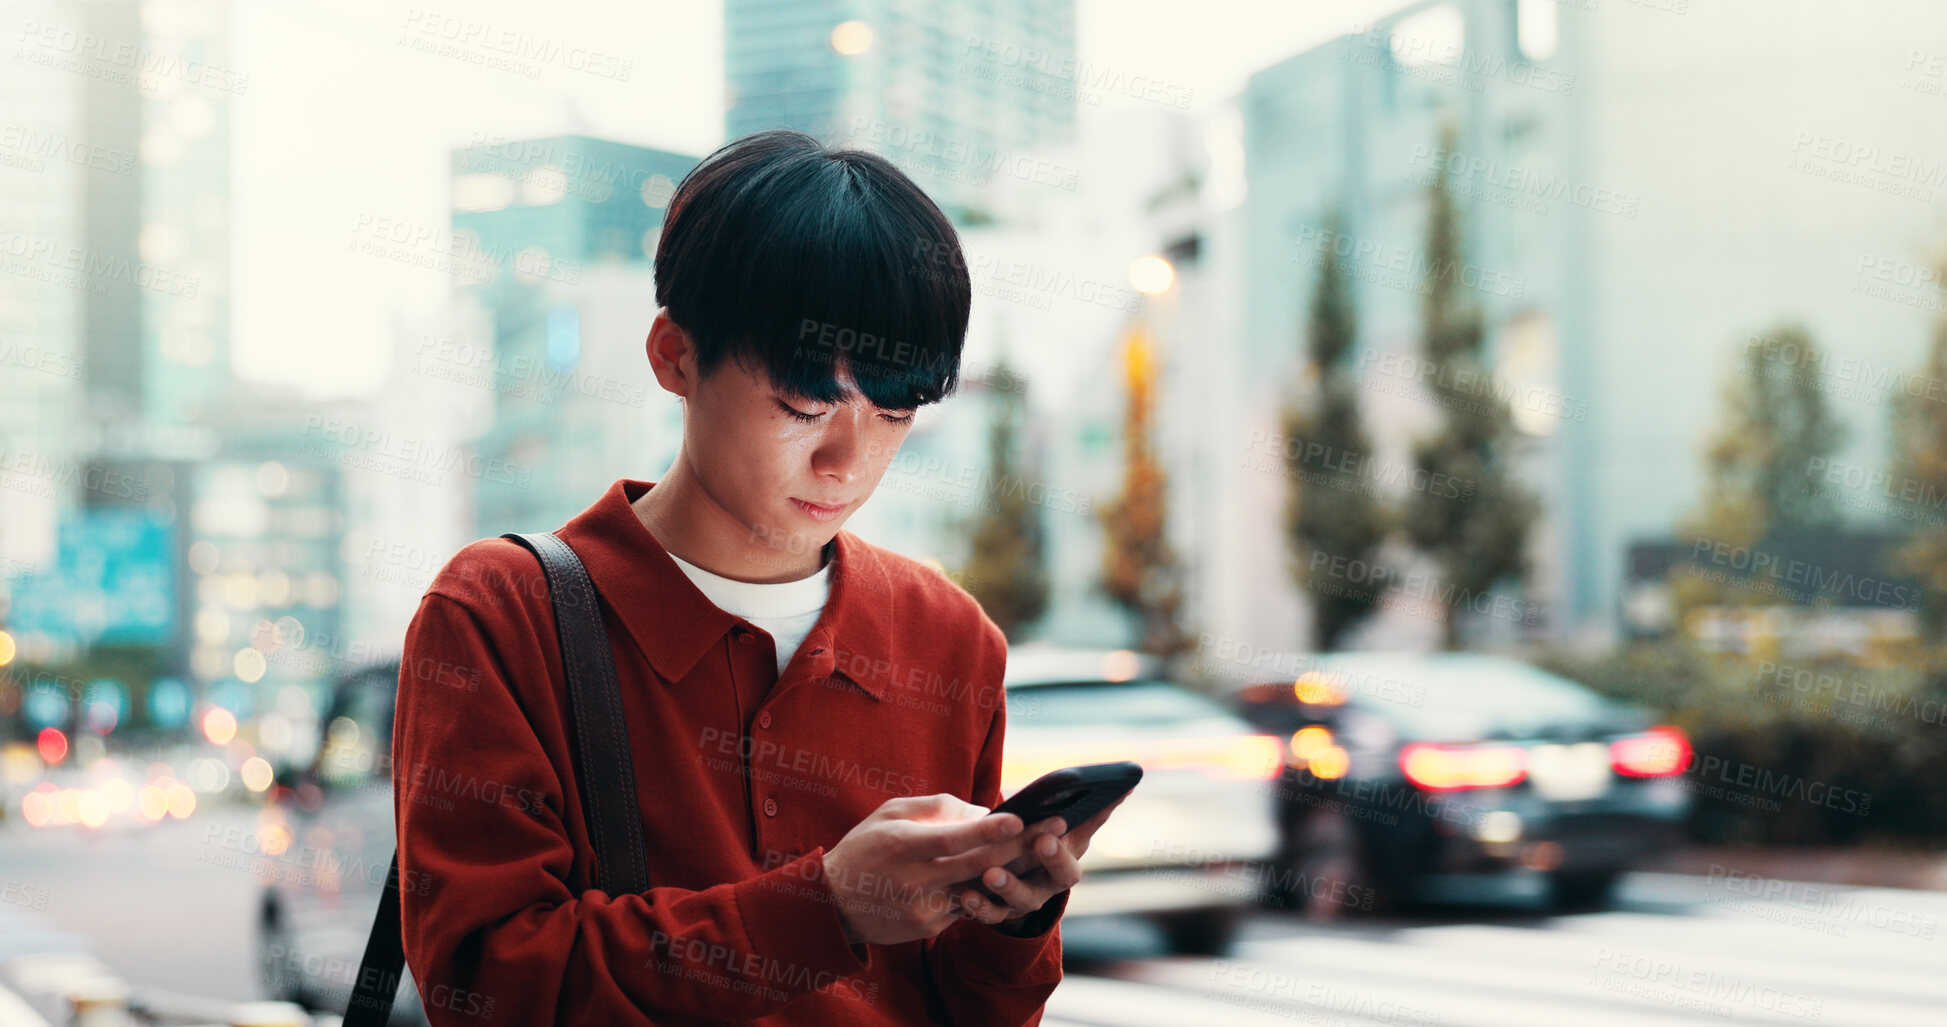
(346, 122)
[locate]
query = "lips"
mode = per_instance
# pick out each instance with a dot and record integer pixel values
(820, 511)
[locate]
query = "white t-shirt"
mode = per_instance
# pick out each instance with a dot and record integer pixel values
(785, 609)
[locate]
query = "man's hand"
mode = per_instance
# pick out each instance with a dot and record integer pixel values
(1052, 865)
(893, 874)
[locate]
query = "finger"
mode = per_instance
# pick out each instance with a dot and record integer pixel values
(965, 866)
(983, 908)
(939, 807)
(1059, 864)
(935, 841)
(1019, 896)
(1014, 854)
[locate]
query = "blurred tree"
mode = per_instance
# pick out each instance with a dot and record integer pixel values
(1331, 510)
(1007, 566)
(1920, 472)
(1476, 531)
(1140, 572)
(1757, 465)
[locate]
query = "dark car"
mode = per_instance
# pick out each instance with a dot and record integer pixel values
(1404, 771)
(327, 835)
(1183, 850)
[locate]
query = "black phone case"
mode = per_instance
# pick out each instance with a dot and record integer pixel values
(1073, 793)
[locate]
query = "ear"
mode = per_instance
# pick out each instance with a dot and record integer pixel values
(672, 355)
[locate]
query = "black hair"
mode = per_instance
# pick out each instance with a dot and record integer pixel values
(806, 258)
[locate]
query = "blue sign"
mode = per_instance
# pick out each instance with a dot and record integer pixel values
(113, 581)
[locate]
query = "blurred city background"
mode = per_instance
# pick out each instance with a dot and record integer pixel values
(1537, 401)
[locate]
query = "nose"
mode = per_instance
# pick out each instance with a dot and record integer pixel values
(841, 452)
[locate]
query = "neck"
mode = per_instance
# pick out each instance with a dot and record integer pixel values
(691, 524)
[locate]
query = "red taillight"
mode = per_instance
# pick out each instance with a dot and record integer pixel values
(1658, 752)
(1443, 768)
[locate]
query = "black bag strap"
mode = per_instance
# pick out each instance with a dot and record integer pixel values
(602, 767)
(602, 763)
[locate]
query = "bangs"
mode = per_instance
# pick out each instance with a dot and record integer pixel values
(815, 261)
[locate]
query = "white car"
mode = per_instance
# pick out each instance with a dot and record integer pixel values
(1187, 847)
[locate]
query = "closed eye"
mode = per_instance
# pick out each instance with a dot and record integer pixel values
(796, 413)
(809, 418)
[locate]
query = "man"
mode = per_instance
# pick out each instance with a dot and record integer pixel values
(816, 722)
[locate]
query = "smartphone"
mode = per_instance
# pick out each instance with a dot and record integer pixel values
(1072, 793)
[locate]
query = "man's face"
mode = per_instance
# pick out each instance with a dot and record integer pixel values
(792, 468)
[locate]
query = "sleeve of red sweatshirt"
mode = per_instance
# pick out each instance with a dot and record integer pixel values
(982, 975)
(493, 933)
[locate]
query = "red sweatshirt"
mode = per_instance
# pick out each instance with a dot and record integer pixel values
(896, 691)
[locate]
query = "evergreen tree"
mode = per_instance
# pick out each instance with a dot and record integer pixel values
(1331, 512)
(1920, 473)
(1774, 430)
(1477, 530)
(1140, 571)
(1007, 567)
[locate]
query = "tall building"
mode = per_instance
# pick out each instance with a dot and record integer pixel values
(114, 164)
(1644, 197)
(960, 94)
(560, 234)
(183, 240)
(43, 359)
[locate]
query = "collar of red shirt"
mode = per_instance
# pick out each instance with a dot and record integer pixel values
(674, 624)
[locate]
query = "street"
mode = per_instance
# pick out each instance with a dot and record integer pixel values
(1676, 949)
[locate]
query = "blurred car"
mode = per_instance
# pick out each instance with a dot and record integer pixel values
(1186, 848)
(327, 835)
(1181, 850)
(1401, 767)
